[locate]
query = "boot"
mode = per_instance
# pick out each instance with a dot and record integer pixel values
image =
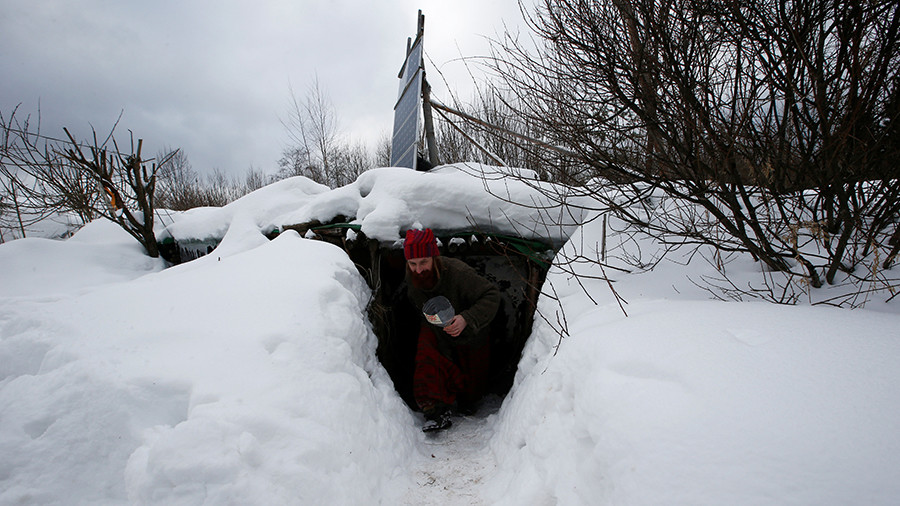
(436, 420)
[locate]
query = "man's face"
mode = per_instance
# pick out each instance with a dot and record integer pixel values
(422, 272)
(420, 266)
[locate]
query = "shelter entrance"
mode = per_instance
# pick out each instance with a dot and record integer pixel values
(516, 266)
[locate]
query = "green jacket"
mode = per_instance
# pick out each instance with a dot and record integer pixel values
(472, 296)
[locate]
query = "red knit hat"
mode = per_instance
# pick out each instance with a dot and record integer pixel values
(420, 244)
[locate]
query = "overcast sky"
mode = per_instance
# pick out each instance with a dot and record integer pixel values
(214, 77)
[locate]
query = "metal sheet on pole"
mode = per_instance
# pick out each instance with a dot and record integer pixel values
(406, 110)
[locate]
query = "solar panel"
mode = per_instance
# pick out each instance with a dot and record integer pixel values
(406, 126)
(412, 66)
(406, 110)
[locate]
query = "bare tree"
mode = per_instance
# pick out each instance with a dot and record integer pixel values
(312, 126)
(178, 183)
(491, 139)
(220, 189)
(180, 187)
(762, 127)
(383, 151)
(318, 152)
(351, 160)
(97, 180)
(22, 150)
(12, 216)
(295, 161)
(125, 186)
(254, 180)
(321, 129)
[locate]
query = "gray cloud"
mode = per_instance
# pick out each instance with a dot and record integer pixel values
(213, 78)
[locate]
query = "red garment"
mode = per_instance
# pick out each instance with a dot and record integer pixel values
(438, 380)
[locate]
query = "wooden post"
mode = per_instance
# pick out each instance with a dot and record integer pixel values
(420, 29)
(430, 140)
(441, 107)
(492, 156)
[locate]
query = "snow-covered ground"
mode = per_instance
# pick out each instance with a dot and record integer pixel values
(249, 377)
(695, 401)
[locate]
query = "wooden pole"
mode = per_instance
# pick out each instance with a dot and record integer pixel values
(429, 124)
(468, 137)
(441, 107)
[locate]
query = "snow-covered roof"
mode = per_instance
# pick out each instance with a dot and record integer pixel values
(260, 206)
(385, 202)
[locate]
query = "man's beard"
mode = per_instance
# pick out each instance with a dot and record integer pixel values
(424, 280)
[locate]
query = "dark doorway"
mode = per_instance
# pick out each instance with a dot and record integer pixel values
(396, 322)
(518, 268)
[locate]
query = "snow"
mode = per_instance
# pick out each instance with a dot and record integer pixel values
(250, 379)
(249, 376)
(694, 401)
(261, 206)
(705, 403)
(456, 462)
(97, 254)
(388, 201)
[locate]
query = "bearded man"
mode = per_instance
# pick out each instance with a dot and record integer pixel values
(453, 351)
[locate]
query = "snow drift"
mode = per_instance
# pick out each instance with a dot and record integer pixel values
(248, 377)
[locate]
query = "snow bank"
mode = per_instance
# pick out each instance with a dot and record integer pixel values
(249, 379)
(54, 226)
(99, 253)
(691, 401)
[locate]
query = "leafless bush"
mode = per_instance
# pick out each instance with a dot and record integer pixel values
(318, 151)
(489, 142)
(23, 147)
(382, 156)
(96, 180)
(254, 179)
(181, 188)
(761, 127)
(178, 186)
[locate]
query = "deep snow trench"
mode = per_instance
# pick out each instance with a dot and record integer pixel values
(456, 461)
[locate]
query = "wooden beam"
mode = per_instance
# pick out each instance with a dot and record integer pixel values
(441, 107)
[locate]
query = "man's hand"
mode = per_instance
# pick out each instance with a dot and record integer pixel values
(456, 326)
